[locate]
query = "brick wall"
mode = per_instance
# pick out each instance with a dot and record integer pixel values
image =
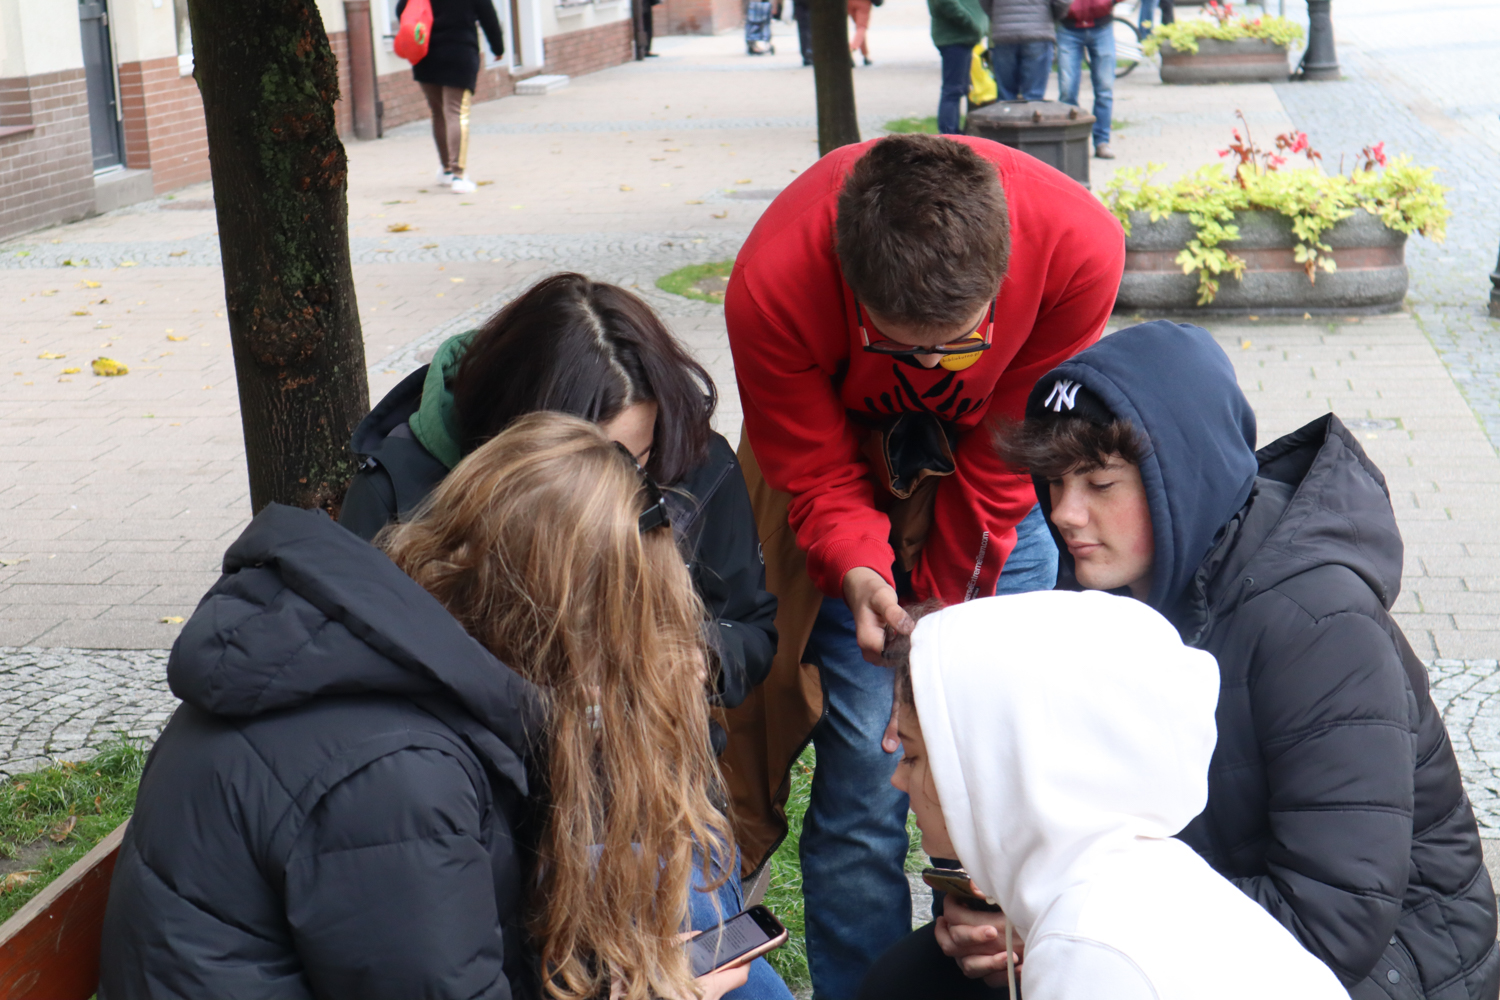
(46, 170)
(579, 52)
(574, 53)
(343, 108)
(164, 130)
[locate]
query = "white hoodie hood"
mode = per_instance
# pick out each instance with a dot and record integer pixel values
(1084, 724)
(1069, 738)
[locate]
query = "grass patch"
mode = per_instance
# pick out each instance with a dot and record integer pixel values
(784, 893)
(927, 126)
(51, 818)
(684, 281)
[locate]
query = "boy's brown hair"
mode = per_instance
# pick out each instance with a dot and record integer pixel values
(1051, 447)
(923, 230)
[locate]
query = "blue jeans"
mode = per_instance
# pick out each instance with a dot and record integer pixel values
(956, 62)
(1022, 69)
(854, 842)
(764, 983)
(1099, 43)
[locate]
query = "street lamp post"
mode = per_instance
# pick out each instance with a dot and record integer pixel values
(1495, 291)
(1320, 61)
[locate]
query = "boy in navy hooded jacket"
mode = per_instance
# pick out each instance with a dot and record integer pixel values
(1334, 797)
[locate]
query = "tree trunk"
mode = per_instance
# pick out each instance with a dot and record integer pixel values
(833, 76)
(269, 80)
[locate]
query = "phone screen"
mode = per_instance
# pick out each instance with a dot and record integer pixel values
(739, 935)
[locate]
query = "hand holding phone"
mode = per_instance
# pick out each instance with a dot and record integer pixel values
(737, 941)
(955, 883)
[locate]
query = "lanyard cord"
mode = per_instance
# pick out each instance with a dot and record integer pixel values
(1010, 961)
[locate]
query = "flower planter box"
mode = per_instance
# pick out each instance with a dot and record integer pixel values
(1371, 275)
(1238, 61)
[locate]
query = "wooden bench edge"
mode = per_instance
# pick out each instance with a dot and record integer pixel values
(62, 884)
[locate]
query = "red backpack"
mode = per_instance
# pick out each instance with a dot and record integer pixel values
(415, 32)
(1084, 13)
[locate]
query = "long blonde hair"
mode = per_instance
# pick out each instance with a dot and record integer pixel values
(533, 544)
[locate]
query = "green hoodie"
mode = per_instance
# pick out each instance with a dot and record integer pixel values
(435, 424)
(957, 22)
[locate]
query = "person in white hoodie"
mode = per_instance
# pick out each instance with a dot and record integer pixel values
(1055, 742)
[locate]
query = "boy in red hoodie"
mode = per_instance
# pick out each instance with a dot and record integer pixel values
(895, 298)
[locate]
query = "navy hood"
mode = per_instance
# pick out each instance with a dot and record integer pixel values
(1175, 385)
(306, 610)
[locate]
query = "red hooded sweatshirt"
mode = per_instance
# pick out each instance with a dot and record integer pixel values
(803, 374)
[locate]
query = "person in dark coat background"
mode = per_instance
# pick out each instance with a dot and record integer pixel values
(448, 75)
(1334, 798)
(351, 802)
(598, 352)
(1023, 36)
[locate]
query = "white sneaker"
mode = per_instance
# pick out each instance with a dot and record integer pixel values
(463, 186)
(444, 177)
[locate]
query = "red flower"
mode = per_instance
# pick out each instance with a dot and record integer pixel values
(1377, 153)
(1223, 152)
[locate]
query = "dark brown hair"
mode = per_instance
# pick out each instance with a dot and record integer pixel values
(1050, 448)
(590, 349)
(923, 230)
(897, 653)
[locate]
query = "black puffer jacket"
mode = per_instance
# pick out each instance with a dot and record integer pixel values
(1015, 21)
(453, 53)
(1334, 797)
(333, 810)
(710, 512)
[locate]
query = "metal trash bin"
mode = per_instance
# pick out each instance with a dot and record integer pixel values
(1053, 132)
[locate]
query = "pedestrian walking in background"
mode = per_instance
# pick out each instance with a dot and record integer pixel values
(957, 26)
(859, 13)
(648, 23)
(448, 75)
(758, 17)
(1148, 14)
(1023, 34)
(802, 14)
(1087, 30)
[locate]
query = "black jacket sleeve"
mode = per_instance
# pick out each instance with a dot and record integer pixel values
(731, 579)
(369, 503)
(484, 10)
(390, 892)
(1333, 716)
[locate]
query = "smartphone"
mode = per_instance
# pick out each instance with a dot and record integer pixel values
(747, 935)
(955, 883)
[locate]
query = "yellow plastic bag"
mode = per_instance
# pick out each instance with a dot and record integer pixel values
(982, 87)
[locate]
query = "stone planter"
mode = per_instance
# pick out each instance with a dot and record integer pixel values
(1371, 275)
(1239, 61)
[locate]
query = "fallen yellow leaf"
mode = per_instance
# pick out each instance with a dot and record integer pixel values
(127, 263)
(86, 283)
(429, 246)
(626, 187)
(82, 312)
(177, 253)
(70, 371)
(175, 338)
(398, 227)
(483, 183)
(109, 367)
(172, 619)
(457, 281)
(52, 291)
(1245, 345)
(15, 880)
(695, 201)
(722, 215)
(745, 181)
(49, 356)
(59, 833)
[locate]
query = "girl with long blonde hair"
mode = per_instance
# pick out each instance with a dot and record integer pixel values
(475, 764)
(537, 545)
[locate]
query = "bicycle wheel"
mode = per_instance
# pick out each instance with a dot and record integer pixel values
(1127, 47)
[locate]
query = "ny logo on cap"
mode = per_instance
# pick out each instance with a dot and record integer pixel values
(1063, 393)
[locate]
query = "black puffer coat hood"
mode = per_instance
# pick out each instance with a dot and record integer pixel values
(1174, 384)
(337, 809)
(1334, 799)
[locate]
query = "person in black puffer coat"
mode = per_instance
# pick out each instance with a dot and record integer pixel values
(598, 352)
(352, 799)
(1334, 797)
(448, 75)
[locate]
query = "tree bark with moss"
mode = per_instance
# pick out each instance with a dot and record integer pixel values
(269, 81)
(833, 76)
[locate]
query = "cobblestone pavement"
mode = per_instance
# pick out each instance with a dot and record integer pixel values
(117, 496)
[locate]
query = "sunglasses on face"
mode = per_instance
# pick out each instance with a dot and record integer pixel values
(956, 355)
(655, 515)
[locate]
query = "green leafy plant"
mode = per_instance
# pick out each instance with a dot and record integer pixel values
(1404, 196)
(685, 281)
(1221, 24)
(51, 818)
